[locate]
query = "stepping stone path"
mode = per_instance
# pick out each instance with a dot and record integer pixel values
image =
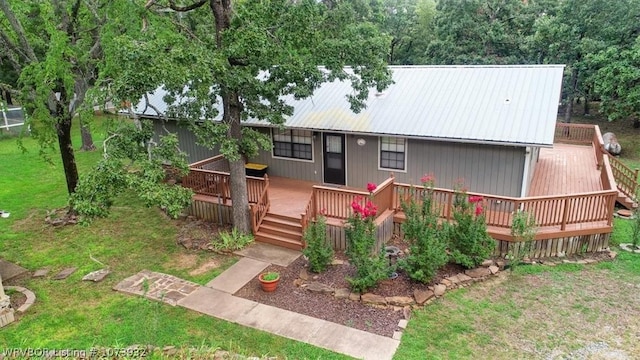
(97, 275)
(65, 273)
(9, 270)
(41, 273)
(157, 286)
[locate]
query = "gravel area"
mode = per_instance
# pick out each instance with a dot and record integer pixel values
(291, 297)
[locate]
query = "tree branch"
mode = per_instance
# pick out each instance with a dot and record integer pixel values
(174, 7)
(17, 27)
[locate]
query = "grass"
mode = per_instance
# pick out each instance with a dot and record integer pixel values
(538, 311)
(75, 314)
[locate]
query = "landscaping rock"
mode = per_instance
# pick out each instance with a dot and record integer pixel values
(453, 280)
(478, 272)
(64, 273)
(402, 324)
(373, 299)
(397, 335)
(304, 275)
(319, 288)
(446, 283)
(422, 296)
(399, 300)
(298, 282)
(439, 289)
(354, 296)
(500, 264)
(96, 276)
(406, 312)
(625, 213)
(487, 263)
(337, 262)
(41, 273)
(464, 278)
(494, 269)
(342, 293)
(612, 254)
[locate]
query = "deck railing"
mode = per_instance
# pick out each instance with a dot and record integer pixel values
(626, 179)
(216, 163)
(549, 211)
(309, 212)
(574, 133)
(260, 208)
(208, 182)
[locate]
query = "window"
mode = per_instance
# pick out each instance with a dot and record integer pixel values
(392, 153)
(294, 144)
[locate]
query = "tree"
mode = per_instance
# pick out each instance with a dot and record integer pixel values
(578, 28)
(479, 32)
(54, 47)
(243, 57)
(617, 82)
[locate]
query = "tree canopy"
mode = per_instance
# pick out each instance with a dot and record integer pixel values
(233, 60)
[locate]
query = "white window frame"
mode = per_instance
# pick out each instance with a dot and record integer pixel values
(273, 146)
(406, 151)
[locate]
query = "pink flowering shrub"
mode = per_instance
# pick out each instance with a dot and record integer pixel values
(469, 242)
(427, 238)
(361, 240)
(371, 187)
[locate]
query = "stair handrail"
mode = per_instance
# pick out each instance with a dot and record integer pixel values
(309, 213)
(626, 179)
(261, 207)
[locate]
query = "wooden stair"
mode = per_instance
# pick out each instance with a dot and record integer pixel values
(626, 201)
(280, 230)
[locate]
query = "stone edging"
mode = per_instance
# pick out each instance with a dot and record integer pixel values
(31, 297)
(420, 298)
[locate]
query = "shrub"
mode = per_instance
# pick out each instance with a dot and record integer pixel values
(361, 239)
(318, 250)
(469, 242)
(427, 238)
(635, 225)
(523, 229)
(231, 241)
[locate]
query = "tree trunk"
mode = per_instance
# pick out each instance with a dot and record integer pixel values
(63, 127)
(571, 96)
(239, 197)
(87, 139)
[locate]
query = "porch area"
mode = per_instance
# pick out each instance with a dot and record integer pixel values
(572, 196)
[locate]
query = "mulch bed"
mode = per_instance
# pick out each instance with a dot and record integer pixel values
(346, 312)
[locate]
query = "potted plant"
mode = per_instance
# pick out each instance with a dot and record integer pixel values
(269, 281)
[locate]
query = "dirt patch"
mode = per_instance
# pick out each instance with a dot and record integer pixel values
(16, 299)
(197, 234)
(184, 261)
(206, 267)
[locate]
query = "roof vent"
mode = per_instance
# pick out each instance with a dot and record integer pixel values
(507, 101)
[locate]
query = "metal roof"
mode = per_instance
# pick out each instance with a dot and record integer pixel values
(510, 105)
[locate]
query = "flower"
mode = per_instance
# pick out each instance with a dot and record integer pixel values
(475, 199)
(369, 210)
(478, 210)
(427, 178)
(371, 187)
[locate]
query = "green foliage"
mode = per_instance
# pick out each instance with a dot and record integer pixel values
(428, 240)
(470, 244)
(635, 225)
(523, 230)
(231, 241)
(318, 250)
(133, 162)
(270, 276)
(370, 267)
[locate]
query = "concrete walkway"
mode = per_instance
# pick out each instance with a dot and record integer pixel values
(216, 299)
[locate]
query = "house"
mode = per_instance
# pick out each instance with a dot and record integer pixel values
(483, 124)
(491, 126)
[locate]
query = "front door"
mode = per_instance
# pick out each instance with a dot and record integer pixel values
(334, 160)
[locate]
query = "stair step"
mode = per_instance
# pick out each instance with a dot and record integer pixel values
(269, 228)
(278, 241)
(281, 223)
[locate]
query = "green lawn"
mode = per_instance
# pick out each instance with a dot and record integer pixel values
(538, 312)
(76, 314)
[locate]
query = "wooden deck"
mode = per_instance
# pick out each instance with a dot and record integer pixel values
(565, 169)
(289, 197)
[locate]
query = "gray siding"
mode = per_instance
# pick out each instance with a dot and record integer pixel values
(187, 140)
(297, 169)
(489, 169)
(535, 154)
